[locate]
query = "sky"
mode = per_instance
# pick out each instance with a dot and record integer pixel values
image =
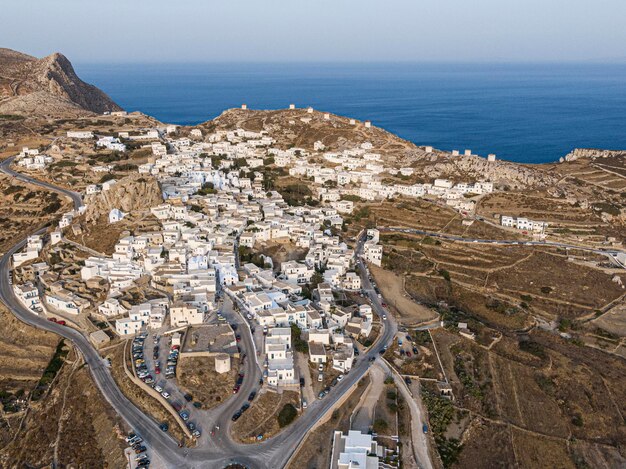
(91, 31)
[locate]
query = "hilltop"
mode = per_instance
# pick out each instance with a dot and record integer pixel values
(47, 86)
(301, 128)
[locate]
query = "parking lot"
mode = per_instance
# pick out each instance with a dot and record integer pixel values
(155, 360)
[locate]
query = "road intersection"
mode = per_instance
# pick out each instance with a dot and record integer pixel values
(221, 450)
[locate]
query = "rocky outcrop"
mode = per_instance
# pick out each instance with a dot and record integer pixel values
(134, 193)
(48, 86)
(593, 153)
(504, 173)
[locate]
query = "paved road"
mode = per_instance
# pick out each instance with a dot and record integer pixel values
(221, 451)
(5, 168)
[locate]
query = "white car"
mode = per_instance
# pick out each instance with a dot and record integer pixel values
(158, 389)
(320, 367)
(339, 378)
(165, 394)
(384, 317)
(304, 404)
(320, 377)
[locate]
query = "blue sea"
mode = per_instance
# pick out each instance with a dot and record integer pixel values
(530, 113)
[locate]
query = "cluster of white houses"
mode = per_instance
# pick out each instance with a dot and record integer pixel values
(524, 224)
(214, 206)
(31, 159)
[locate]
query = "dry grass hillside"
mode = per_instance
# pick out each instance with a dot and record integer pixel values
(23, 208)
(536, 402)
(72, 426)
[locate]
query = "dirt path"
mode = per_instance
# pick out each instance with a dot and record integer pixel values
(363, 415)
(504, 267)
(392, 288)
(302, 364)
(62, 415)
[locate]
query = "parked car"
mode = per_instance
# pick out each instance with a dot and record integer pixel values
(184, 415)
(164, 427)
(165, 394)
(188, 397)
(251, 396)
(320, 367)
(158, 389)
(320, 377)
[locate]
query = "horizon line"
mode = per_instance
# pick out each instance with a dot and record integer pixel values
(616, 61)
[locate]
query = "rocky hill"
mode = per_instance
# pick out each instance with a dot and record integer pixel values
(47, 87)
(299, 128)
(592, 153)
(133, 193)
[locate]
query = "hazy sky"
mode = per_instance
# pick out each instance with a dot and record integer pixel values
(318, 30)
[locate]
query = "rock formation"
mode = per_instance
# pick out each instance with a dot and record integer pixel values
(131, 194)
(593, 153)
(47, 86)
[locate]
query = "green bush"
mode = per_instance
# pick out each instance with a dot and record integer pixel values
(287, 415)
(380, 426)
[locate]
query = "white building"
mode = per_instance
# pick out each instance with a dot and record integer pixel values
(355, 450)
(80, 134)
(115, 215)
(185, 315)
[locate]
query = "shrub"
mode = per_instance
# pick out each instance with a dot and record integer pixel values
(533, 348)
(380, 426)
(287, 415)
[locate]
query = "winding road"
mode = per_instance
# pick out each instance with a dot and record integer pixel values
(221, 450)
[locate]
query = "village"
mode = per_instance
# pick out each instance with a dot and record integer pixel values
(200, 268)
(234, 298)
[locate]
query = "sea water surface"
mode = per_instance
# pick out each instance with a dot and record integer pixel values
(528, 113)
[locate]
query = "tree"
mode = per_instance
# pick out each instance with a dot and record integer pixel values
(287, 415)
(207, 188)
(316, 279)
(298, 343)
